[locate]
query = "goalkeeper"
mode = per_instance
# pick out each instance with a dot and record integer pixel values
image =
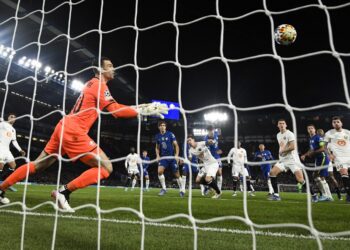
(71, 136)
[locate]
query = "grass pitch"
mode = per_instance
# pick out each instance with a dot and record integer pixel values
(220, 223)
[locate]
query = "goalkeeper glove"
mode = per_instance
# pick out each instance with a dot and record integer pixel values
(156, 109)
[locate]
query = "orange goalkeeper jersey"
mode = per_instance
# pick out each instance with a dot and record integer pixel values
(84, 112)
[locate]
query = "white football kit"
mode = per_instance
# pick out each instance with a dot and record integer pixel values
(7, 135)
(339, 143)
(289, 161)
(239, 158)
(202, 152)
(131, 163)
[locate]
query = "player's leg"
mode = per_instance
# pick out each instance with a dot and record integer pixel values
(335, 183)
(177, 176)
(162, 165)
(8, 171)
(266, 174)
(145, 173)
(219, 175)
(134, 180)
(343, 170)
(275, 171)
(323, 175)
(100, 168)
(211, 172)
(128, 180)
(185, 172)
(43, 161)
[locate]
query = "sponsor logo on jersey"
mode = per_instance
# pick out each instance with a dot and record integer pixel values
(341, 142)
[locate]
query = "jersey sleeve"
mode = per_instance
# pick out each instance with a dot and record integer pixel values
(117, 110)
(172, 136)
(291, 136)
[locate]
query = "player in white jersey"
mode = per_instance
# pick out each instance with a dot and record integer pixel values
(238, 156)
(331, 178)
(207, 172)
(8, 136)
(132, 163)
(338, 144)
(288, 158)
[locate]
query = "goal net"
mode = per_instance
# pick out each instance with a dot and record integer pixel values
(204, 55)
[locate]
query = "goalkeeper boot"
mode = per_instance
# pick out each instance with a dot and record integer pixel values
(314, 198)
(62, 197)
(3, 199)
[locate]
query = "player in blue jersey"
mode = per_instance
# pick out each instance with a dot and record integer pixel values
(145, 159)
(265, 155)
(317, 151)
(193, 161)
(167, 146)
(212, 139)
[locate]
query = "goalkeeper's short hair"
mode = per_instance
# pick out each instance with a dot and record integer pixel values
(96, 63)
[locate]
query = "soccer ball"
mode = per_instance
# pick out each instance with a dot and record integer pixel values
(285, 34)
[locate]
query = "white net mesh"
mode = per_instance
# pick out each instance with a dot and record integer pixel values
(174, 23)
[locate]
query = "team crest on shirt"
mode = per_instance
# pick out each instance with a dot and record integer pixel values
(346, 137)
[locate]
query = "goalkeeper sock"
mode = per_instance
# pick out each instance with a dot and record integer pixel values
(147, 184)
(162, 181)
(219, 181)
(133, 183)
(87, 178)
(18, 175)
(274, 184)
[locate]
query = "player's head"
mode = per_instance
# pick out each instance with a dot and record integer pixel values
(282, 124)
(106, 70)
(132, 150)
(144, 153)
(162, 126)
(210, 129)
(11, 118)
(191, 141)
(311, 129)
(320, 132)
(261, 147)
(239, 144)
(336, 122)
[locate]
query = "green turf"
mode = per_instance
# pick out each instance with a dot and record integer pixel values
(121, 230)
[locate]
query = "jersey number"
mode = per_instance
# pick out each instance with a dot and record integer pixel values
(78, 104)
